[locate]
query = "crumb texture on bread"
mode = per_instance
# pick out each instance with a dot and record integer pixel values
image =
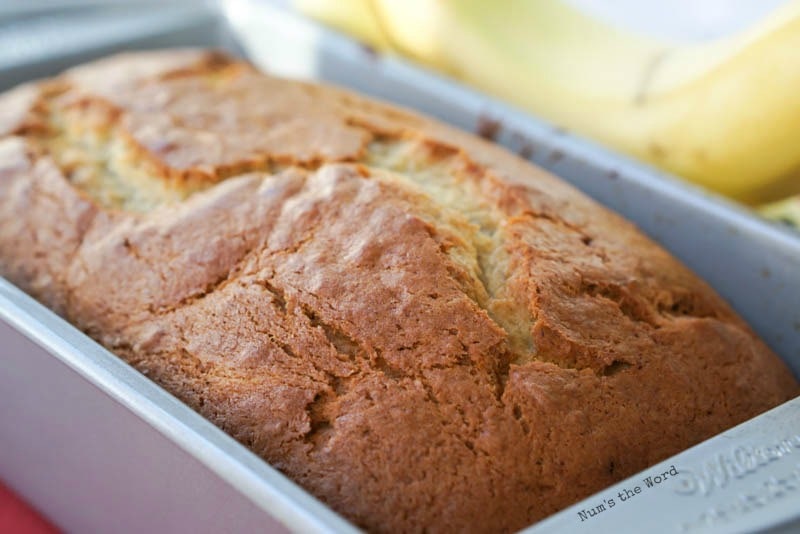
(421, 329)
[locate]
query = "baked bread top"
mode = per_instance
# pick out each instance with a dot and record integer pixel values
(420, 328)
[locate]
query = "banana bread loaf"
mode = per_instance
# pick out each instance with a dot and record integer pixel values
(423, 330)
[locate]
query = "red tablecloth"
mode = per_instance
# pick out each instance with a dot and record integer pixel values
(18, 518)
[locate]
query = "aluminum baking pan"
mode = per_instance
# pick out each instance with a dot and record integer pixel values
(34, 46)
(97, 447)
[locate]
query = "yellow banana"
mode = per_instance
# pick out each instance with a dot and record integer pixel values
(725, 114)
(785, 211)
(354, 16)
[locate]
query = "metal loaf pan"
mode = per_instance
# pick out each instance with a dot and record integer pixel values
(98, 448)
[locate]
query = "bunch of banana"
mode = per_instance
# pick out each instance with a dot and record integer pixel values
(724, 114)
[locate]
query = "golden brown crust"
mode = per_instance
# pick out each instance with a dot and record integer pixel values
(421, 329)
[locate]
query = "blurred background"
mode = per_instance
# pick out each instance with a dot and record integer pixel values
(680, 20)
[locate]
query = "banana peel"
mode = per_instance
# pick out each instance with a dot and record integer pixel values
(786, 212)
(723, 114)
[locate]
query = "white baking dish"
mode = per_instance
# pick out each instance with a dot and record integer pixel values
(98, 448)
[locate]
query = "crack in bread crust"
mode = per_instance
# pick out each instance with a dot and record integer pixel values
(419, 328)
